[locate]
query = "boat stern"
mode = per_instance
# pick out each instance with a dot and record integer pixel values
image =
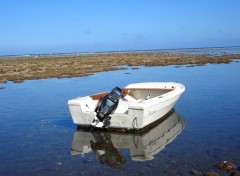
(81, 111)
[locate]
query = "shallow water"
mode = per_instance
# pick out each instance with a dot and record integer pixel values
(211, 51)
(38, 136)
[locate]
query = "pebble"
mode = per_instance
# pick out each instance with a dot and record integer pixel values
(211, 173)
(226, 166)
(59, 163)
(196, 172)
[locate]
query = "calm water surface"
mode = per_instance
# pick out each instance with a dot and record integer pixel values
(38, 137)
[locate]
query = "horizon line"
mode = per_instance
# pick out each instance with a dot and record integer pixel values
(121, 51)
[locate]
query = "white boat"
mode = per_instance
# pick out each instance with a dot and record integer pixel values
(142, 146)
(141, 105)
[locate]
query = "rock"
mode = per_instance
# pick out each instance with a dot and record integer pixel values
(190, 66)
(235, 173)
(196, 172)
(135, 68)
(148, 165)
(18, 81)
(50, 66)
(211, 173)
(226, 166)
(3, 81)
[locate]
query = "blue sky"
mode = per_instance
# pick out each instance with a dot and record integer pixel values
(62, 26)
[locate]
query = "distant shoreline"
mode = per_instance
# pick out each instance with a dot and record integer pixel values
(28, 56)
(20, 68)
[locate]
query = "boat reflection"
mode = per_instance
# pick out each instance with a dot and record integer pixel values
(143, 146)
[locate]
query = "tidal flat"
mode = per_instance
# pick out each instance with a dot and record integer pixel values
(30, 67)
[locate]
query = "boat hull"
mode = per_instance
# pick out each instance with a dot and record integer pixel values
(129, 114)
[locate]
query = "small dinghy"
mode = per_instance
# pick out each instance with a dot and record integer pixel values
(131, 108)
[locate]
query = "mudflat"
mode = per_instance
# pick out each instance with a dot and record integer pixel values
(18, 69)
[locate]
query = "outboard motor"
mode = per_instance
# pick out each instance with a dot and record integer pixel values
(106, 106)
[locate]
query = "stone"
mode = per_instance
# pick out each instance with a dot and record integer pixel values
(235, 173)
(3, 81)
(196, 172)
(211, 173)
(226, 166)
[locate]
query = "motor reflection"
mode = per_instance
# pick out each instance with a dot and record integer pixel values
(143, 146)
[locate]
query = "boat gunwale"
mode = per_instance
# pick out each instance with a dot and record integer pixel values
(150, 89)
(126, 91)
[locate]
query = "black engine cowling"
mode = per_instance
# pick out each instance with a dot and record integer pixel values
(108, 104)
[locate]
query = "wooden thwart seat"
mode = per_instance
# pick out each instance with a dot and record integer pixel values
(98, 96)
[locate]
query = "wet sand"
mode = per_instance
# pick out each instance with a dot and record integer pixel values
(20, 68)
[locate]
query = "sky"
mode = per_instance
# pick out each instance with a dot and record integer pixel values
(65, 26)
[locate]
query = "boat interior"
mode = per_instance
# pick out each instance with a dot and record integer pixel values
(136, 94)
(144, 94)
